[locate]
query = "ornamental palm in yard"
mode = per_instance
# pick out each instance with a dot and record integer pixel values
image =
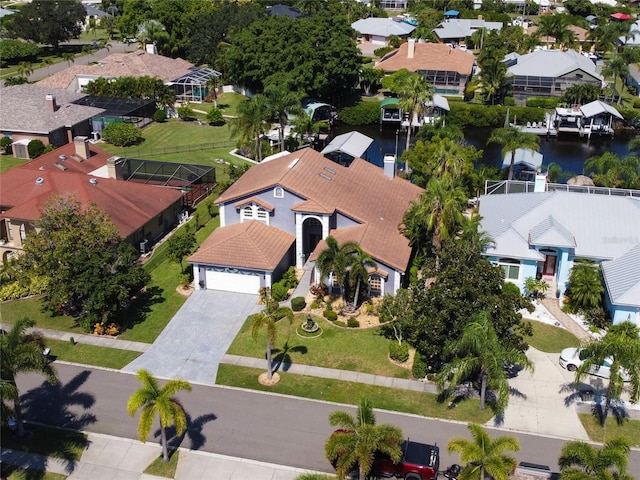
(511, 138)
(360, 264)
(582, 461)
(335, 259)
(483, 457)
(267, 319)
(155, 400)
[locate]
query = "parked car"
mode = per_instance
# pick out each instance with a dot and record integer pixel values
(420, 461)
(573, 358)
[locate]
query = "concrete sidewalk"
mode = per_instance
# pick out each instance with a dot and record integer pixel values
(113, 458)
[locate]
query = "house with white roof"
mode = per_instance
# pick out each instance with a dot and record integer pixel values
(548, 73)
(455, 30)
(541, 235)
(378, 30)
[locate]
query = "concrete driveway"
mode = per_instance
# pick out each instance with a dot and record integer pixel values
(197, 337)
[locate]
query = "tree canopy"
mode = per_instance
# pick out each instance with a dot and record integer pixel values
(133, 87)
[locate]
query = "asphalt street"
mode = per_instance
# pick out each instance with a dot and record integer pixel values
(240, 423)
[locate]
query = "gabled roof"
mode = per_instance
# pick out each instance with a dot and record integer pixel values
(134, 64)
(622, 277)
(597, 107)
(23, 109)
(602, 226)
(551, 233)
(352, 143)
(361, 192)
(383, 27)
(455, 28)
(513, 245)
(251, 244)
(524, 156)
(551, 63)
(428, 56)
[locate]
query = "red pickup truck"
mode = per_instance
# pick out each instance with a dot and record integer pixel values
(420, 461)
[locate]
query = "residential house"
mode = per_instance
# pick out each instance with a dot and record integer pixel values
(377, 31)
(542, 234)
(580, 34)
(30, 112)
(447, 69)
(140, 212)
(455, 30)
(277, 214)
(548, 73)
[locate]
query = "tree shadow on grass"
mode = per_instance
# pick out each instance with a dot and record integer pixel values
(140, 307)
(193, 432)
(281, 357)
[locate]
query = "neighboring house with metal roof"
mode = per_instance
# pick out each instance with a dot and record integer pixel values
(542, 234)
(343, 149)
(140, 212)
(548, 73)
(378, 30)
(457, 29)
(447, 69)
(298, 200)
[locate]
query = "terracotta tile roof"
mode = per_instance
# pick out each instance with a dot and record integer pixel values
(130, 205)
(259, 201)
(361, 192)
(134, 64)
(428, 56)
(250, 244)
(581, 33)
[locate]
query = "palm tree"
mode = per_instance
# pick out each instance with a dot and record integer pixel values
(414, 92)
(358, 438)
(8, 397)
(305, 128)
(450, 159)
(212, 84)
(511, 138)
(267, 319)
(151, 31)
(621, 345)
(155, 400)
(479, 355)
(21, 352)
(493, 81)
(251, 123)
(586, 288)
(47, 62)
(582, 461)
(69, 58)
(282, 101)
(336, 259)
(359, 265)
(483, 457)
(24, 69)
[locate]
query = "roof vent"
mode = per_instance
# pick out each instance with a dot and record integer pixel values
(332, 172)
(62, 157)
(61, 166)
(41, 167)
(39, 181)
(93, 181)
(325, 176)
(293, 163)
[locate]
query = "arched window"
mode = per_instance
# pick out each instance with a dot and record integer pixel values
(254, 212)
(278, 192)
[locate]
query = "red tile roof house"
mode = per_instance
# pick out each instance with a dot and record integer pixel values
(277, 214)
(80, 169)
(447, 69)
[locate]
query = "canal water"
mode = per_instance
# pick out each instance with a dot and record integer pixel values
(568, 151)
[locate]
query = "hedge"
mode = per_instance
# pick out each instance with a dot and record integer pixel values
(492, 116)
(364, 113)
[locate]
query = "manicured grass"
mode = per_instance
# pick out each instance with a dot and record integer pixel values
(629, 429)
(47, 441)
(91, 354)
(363, 350)
(32, 308)
(418, 403)
(551, 339)
(161, 469)
(227, 102)
(7, 162)
(16, 473)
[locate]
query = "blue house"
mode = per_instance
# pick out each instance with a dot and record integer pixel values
(541, 234)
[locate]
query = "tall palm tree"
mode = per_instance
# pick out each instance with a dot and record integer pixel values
(155, 400)
(21, 352)
(358, 438)
(305, 128)
(69, 58)
(479, 355)
(621, 344)
(8, 397)
(618, 68)
(282, 102)
(511, 138)
(212, 84)
(582, 461)
(47, 62)
(483, 457)
(336, 259)
(359, 265)
(450, 159)
(414, 92)
(493, 82)
(251, 123)
(267, 319)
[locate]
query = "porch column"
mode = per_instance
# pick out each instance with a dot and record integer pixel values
(299, 244)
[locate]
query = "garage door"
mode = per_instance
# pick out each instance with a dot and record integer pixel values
(233, 282)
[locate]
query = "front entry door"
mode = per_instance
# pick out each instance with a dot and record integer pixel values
(549, 265)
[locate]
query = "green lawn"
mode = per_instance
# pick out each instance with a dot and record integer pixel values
(550, 339)
(629, 429)
(91, 354)
(161, 469)
(8, 161)
(345, 349)
(418, 403)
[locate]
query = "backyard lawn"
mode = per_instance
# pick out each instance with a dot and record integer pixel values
(362, 350)
(551, 339)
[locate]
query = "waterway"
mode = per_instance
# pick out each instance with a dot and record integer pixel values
(568, 151)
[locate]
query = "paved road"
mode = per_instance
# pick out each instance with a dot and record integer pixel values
(239, 423)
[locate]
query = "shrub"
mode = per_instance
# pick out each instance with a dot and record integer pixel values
(364, 113)
(186, 113)
(419, 369)
(316, 304)
(509, 101)
(298, 303)
(330, 315)
(160, 116)
(399, 352)
(5, 144)
(289, 278)
(215, 117)
(340, 323)
(185, 279)
(121, 134)
(319, 290)
(279, 291)
(353, 323)
(382, 51)
(35, 148)
(542, 102)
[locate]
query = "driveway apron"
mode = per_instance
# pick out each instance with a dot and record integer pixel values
(193, 343)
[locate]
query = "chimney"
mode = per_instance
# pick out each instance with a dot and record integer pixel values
(411, 48)
(50, 103)
(390, 165)
(114, 168)
(82, 147)
(540, 184)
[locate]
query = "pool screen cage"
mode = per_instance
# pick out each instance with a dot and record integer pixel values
(194, 86)
(195, 181)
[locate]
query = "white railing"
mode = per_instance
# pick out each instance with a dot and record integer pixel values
(493, 187)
